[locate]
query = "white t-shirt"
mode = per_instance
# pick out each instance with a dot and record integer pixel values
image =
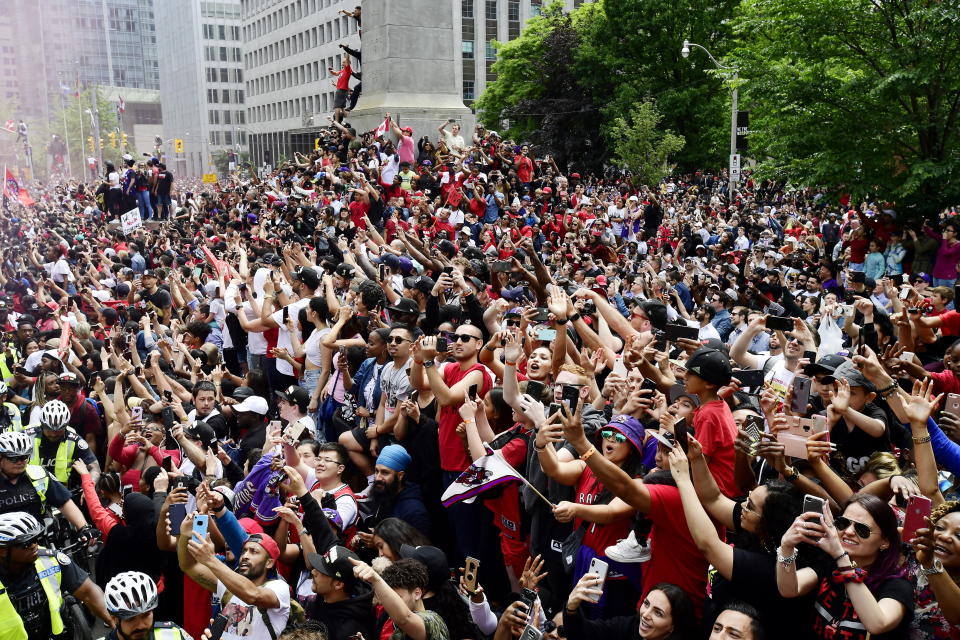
(283, 338)
(708, 332)
(312, 348)
(245, 621)
(59, 271)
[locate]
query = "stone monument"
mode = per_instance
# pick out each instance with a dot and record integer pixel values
(411, 67)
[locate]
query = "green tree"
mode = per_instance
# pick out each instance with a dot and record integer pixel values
(71, 110)
(641, 146)
(223, 157)
(860, 95)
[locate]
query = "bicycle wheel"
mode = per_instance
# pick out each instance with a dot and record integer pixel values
(79, 625)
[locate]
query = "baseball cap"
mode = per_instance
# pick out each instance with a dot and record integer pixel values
(680, 391)
(242, 393)
(69, 378)
(630, 427)
(405, 305)
(255, 404)
(200, 430)
(656, 312)
(151, 273)
(295, 395)
(849, 372)
(345, 270)
(307, 276)
(423, 284)
(827, 364)
(432, 558)
(336, 564)
(711, 365)
(267, 543)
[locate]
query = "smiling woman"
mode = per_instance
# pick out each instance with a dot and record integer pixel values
(665, 614)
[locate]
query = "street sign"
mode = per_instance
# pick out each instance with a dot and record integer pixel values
(743, 129)
(735, 167)
(209, 178)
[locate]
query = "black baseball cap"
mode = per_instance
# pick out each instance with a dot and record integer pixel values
(295, 395)
(336, 564)
(405, 305)
(827, 364)
(711, 365)
(308, 276)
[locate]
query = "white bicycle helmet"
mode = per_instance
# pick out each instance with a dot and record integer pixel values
(129, 594)
(54, 415)
(3, 388)
(15, 443)
(18, 527)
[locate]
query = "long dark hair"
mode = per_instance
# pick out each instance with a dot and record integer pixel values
(396, 533)
(682, 613)
(889, 562)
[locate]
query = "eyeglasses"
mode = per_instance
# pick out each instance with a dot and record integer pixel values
(16, 458)
(26, 544)
(463, 337)
(513, 322)
(397, 340)
(616, 436)
(842, 523)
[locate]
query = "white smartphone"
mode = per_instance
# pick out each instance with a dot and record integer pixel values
(600, 568)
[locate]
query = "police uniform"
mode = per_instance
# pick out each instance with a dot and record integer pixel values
(31, 605)
(58, 457)
(160, 631)
(32, 492)
(10, 417)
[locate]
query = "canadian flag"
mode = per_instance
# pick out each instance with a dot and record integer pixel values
(10, 126)
(121, 105)
(382, 129)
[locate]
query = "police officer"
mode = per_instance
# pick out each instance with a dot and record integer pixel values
(56, 446)
(9, 412)
(33, 581)
(131, 597)
(30, 488)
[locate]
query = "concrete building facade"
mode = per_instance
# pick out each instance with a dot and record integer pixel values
(202, 75)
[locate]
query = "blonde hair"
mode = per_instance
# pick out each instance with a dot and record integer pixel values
(882, 464)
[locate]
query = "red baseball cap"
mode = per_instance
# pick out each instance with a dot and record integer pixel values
(268, 544)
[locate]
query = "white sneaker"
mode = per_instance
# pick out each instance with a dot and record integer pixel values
(628, 550)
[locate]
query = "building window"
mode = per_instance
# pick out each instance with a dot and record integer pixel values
(468, 49)
(224, 74)
(213, 116)
(467, 10)
(228, 137)
(513, 10)
(227, 117)
(491, 9)
(213, 96)
(535, 10)
(215, 137)
(491, 51)
(468, 90)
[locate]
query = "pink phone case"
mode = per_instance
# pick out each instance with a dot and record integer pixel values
(918, 508)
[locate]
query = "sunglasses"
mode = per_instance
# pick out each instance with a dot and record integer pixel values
(17, 458)
(842, 523)
(616, 436)
(462, 337)
(26, 544)
(396, 340)
(513, 323)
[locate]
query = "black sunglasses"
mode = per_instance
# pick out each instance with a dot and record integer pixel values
(396, 340)
(16, 458)
(462, 337)
(842, 523)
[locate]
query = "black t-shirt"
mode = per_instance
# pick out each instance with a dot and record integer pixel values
(165, 182)
(157, 301)
(844, 624)
(21, 496)
(30, 600)
(48, 452)
(855, 446)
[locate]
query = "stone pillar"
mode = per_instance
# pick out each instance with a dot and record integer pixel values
(410, 67)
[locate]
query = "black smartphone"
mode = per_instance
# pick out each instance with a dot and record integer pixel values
(811, 356)
(749, 378)
(542, 315)
(554, 409)
(779, 323)
(535, 390)
(569, 398)
(383, 271)
(648, 384)
(680, 434)
(168, 395)
(502, 266)
(177, 512)
(286, 315)
(801, 394)
(674, 332)
(446, 270)
(441, 345)
(167, 464)
(219, 624)
(472, 392)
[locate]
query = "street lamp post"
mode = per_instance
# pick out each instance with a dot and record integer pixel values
(685, 52)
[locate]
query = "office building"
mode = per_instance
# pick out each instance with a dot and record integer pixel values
(202, 75)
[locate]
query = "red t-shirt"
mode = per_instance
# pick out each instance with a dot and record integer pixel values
(357, 211)
(524, 168)
(343, 79)
(674, 556)
(452, 455)
(950, 323)
(945, 382)
(506, 505)
(599, 536)
(715, 430)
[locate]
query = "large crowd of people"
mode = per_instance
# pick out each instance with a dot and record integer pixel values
(449, 390)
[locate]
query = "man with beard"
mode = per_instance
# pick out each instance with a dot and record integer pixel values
(243, 592)
(205, 408)
(84, 418)
(393, 497)
(131, 597)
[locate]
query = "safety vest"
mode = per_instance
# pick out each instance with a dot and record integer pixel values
(41, 481)
(14, 412)
(48, 570)
(61, 464)
(167, 631)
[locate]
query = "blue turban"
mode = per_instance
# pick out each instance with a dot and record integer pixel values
(395, 457)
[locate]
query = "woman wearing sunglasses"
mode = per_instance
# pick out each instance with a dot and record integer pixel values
(604, 519)
(867, 594)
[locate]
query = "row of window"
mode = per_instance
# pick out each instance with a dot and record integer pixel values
(283, 16)
(215, 116)
(225, 96)
(489, 50)
(513, 9)
(220, 32)
(224, 75)
(292, 108)
(227, 138)
(222, 54)
(224, 10)
(293, 77)
(329, 32)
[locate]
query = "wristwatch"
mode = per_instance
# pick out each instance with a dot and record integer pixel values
(934, 570)
(428, 363)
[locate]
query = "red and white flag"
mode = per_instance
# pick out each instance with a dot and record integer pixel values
(12, 189)
(382, 129)
(485, 473)
(10, 126)
(121, 105)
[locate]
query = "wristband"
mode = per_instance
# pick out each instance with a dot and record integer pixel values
(921, 440)
(562, 322)
(586, 456)
(785, 560)
(848, 575)
(536, 448)
(509, 364)
(883, 393)
(575, 317)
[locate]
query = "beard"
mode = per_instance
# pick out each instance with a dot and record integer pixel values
(251, 572)
(383, 490)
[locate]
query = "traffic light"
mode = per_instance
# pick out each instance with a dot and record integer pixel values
(101, 143)
(90, 144)
(178, 145)
(123, 140)
(113, 140)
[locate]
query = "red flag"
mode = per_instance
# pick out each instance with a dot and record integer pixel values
(11, 189)
(10, 126)
(382, 129)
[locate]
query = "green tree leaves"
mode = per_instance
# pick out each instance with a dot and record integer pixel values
(641, 146)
